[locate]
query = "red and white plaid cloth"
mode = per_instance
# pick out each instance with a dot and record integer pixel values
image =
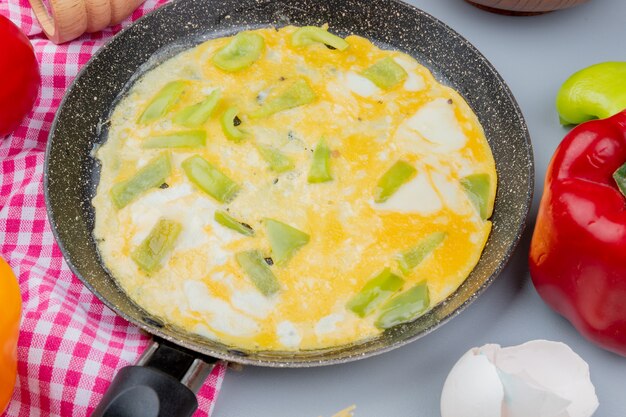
(70, 344)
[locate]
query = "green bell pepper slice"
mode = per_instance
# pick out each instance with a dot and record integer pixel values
(159, 242)
(404, 307)
(253, 264)
(240, 53)
(478, 188)
(308, 35)
(285, 240)
(297, 94)
(277, 161)
(162, 101)
(230, 129)
(399, 174)
(210, 179)
(150, 176)
(320, 165)
(596, 92)
(196, 114)
(230, 222)
(408, 260)
(189, 139)
(376, 291)
(386, 73)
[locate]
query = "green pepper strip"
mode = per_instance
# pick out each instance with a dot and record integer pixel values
(477, 187)
(400, 173)
(320, 166)
(386, 73)
(404, 307)
(297, 94)
(375, 292)
(150, 176)
(227, 121)
(209, 179)
(308, 35)
(277, 161)
(162, 101)
(189, 139)
(159, 242)
(254, 265)
(240, 53)
(284, 239)
(196, 114)
(230, 222)
(414, 256)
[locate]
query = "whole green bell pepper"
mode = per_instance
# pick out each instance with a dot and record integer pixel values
(596, 92)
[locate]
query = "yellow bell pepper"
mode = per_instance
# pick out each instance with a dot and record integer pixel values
(11, 303)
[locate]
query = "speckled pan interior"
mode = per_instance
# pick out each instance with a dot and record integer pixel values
(71, 174)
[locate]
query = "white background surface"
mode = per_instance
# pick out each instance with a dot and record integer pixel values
(534, 55)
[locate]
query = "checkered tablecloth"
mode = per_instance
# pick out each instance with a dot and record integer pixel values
(70, 344)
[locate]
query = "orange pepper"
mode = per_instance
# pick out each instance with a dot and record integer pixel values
(10, 310)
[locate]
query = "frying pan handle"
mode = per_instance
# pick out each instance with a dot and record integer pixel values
(164, 383)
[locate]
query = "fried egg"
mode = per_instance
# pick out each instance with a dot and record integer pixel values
(367, 126)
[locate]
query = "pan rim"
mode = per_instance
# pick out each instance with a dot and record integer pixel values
(226, 355)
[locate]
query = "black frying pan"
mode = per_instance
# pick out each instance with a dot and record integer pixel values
(71, 174)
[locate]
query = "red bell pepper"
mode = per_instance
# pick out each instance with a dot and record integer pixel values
(578, 249)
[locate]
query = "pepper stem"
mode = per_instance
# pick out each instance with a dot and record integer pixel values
(620, 178)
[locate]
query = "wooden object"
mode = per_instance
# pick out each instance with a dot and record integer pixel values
(64, 20)
(524, 7)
